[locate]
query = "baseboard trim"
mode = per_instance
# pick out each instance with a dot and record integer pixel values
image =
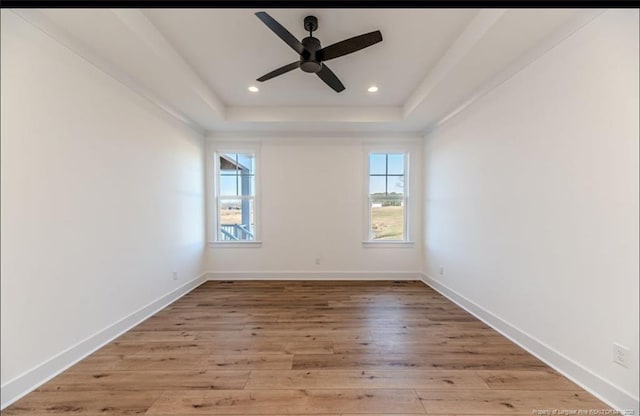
(312, 275)
(604, 390)
(30, 380)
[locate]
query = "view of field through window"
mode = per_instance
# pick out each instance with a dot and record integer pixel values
(236, 192)
(387, 199)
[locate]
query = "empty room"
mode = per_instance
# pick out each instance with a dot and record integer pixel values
(319, 211)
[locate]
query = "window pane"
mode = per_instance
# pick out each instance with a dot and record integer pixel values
(235, 196)
(228, 185)
(387, 219)
(228, 163)
(246, 163)
(236, 220)
(240, 162)
(395, 185)
(246, 185)
(377, 163)
(396, 164)
(228, 171)
(377, 185)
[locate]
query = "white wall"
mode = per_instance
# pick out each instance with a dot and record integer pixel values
(102, 199)
(531, 202)
(312, 205)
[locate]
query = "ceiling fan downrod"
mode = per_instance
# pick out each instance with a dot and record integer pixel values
(309, 59)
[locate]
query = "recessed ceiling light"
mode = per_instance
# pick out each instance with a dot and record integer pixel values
(253, 88)
(372, 88)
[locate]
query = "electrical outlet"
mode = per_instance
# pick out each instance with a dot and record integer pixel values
(441, 270)
(175, 275)
(317, 261)
(620, 355)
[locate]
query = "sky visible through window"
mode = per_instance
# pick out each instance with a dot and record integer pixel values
(390, 167)
(230, 181)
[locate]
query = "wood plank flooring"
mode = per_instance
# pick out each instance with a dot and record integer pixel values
(302, 348)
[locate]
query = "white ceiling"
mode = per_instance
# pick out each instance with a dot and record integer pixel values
(229, 49)
(196, 64)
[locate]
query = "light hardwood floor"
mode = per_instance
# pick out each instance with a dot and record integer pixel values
(294, 347)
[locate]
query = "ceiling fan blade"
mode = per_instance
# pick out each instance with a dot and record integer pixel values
(330, 78)
(349, 45)
(280, 71)
(282, 33)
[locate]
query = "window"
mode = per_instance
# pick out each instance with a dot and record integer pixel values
(235, 196)
(387, 197)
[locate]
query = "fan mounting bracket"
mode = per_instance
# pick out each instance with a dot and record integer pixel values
(310, 23)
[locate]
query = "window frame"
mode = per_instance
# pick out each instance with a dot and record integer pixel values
(406, 198)
(214, 163)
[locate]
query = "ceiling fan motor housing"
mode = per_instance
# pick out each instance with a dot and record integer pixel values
(309, 60)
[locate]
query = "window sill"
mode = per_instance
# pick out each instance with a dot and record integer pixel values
(388, 244)
(235, 244)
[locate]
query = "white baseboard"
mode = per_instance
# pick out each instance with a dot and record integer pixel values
(314, 275)
(30, 380)
(604, 390)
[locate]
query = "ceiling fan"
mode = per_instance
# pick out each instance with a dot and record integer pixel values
(312, 55)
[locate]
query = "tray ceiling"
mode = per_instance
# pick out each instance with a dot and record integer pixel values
(196, 64)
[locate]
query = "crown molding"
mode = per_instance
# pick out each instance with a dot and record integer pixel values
(314, 137)
(314, 114)
(53, 31)
(510, 71)
(214, 116)
(468, 39)
(142, 27)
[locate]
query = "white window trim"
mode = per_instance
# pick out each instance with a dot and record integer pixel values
(387, 244)
(407, 242)
(213, 179)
